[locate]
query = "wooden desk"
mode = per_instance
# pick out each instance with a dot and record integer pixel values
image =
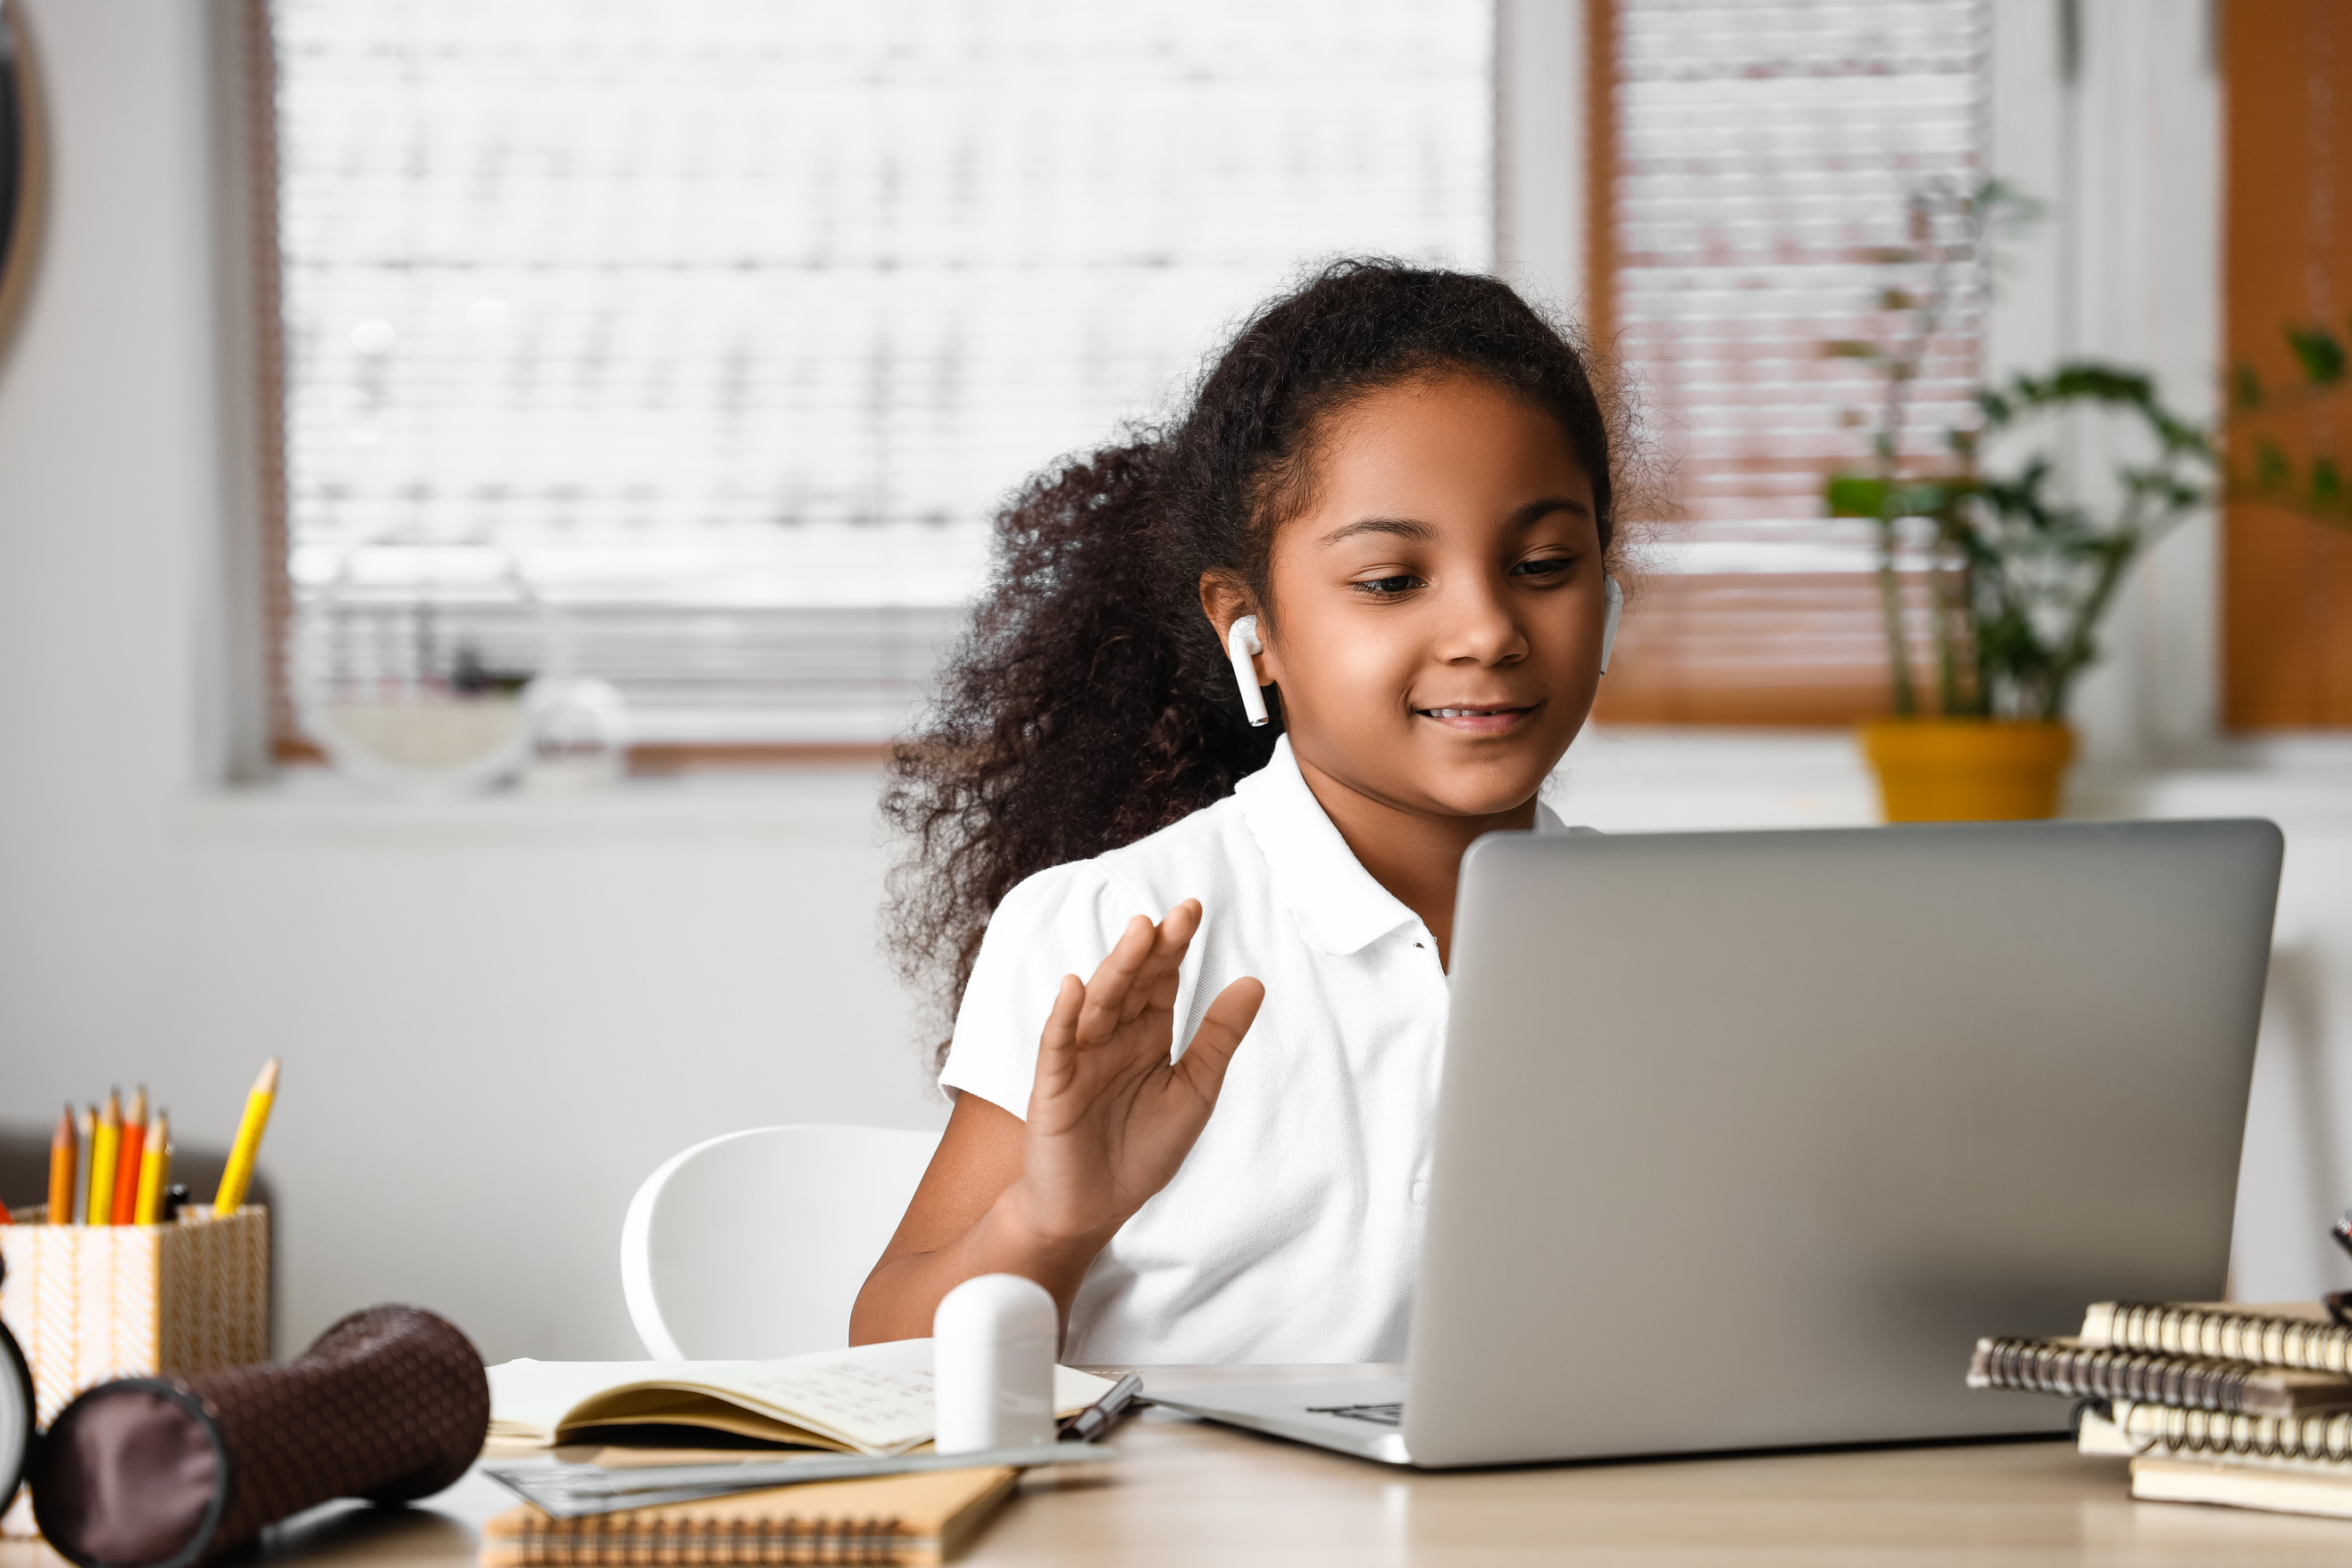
(1193, 1494)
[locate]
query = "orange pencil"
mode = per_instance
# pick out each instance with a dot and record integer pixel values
(64, 1155)
(126, 1159)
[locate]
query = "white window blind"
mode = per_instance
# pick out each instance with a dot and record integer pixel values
(1764, 150)
(732, 321)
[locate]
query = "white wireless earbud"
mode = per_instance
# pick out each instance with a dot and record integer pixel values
(1241, 645)
(1615, 596)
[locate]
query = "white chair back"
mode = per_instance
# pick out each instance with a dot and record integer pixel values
(753, 1244)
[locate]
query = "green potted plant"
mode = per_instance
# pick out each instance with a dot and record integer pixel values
(2014, 575)
(2316, 486)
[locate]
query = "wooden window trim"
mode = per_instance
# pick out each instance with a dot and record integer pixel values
(1669, 679)
(2286, 580)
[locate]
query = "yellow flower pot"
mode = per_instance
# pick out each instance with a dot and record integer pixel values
(1967, 770)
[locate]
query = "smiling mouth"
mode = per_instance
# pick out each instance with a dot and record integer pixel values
(1484, 719)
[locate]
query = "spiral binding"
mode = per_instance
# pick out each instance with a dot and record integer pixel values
(2316, 1437)
(614, 1541)
(2089, 1372)
(2300, 1343)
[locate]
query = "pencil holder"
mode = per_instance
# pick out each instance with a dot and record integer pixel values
(92, 1302)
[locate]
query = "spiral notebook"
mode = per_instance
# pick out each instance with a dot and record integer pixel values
(917, 1519)
(2068, 1366)
(2275, 1490)
(2299, 1334)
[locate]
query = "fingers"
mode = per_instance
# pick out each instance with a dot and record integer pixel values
(1140, 972)
(1059, 1041)
(1156, 983)
(1105, 994)
(1220, 1035)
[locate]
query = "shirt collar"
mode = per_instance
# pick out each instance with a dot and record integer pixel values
(1338, 906)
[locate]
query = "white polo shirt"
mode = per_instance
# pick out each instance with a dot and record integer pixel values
(1292, 1233)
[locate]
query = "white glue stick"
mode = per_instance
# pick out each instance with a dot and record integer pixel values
(993, 1342)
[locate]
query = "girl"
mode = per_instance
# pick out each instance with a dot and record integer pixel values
(1215, 1148)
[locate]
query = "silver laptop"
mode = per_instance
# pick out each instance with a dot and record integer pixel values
(1745, 1138)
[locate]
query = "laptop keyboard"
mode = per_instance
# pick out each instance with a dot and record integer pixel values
(1389, 1415)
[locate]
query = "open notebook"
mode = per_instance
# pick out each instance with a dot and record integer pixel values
(868, 1399)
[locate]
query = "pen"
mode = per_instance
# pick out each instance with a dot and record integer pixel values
(105, 1142)
(1096, 1418)
(230, 1195)
(63, 1155)
(126, 1162)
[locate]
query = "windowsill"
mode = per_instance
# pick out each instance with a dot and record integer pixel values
(832, 800)
(1624, 779)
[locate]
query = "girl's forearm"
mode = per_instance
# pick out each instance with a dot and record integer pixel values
(902, 1294)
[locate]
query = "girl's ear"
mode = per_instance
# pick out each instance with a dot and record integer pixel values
(1224, 599)
(1233, 614)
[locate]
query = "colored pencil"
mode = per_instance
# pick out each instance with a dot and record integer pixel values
(126, 1161)
(105, 1143)
(154, 1171)
(230, 1196)
(65, 1153)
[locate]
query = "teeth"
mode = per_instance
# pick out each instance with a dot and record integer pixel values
(1466, 712)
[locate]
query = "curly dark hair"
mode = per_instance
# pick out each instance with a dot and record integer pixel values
(1090, 703)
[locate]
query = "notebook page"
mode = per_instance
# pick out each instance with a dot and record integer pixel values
(529, 1399)
(877, 1398)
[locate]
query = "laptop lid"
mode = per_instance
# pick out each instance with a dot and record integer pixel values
(1745, 1138)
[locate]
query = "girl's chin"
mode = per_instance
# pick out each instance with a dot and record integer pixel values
(1493, 785)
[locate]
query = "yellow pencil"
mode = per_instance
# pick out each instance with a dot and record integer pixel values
(154, 1168)
(105, 1143)
(87, 1122)
(239, 1175)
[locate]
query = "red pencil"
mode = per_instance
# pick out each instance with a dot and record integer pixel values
(126, 1165)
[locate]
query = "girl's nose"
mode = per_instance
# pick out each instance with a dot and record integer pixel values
(1479, 629)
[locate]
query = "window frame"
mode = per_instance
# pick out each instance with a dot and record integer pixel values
(250, 72)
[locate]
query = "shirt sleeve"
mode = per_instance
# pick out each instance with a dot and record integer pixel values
(1062, 920)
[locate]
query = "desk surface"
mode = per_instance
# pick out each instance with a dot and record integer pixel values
(1186, 1492)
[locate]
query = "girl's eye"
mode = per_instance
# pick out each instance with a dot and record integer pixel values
(1388, 587)
(1543, 567)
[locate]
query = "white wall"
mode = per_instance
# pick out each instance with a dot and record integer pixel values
(498, 1017)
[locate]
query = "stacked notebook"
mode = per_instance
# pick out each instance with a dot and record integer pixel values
(2250, 1407)
(589, 1417)
(917, 1519)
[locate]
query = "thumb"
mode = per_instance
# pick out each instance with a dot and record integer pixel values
(1229, 1017)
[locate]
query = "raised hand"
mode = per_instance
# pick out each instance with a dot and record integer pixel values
(1110, 1117)
(1111, 1120)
